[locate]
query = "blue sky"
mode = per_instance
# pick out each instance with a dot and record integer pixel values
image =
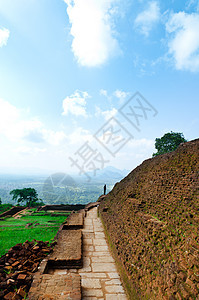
(67, 67)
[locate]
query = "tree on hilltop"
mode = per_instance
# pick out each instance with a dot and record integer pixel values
(28, 195)
(168, 142)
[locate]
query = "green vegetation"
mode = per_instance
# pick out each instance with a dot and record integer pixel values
(168, 142)
(27, 195)
(14, 231)
(4, 207)
(83, 193)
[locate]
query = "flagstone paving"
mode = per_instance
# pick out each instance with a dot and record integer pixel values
(97, 279)
(99, 276)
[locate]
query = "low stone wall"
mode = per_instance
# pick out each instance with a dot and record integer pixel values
(66, 207)
(74, 221)
(11, 212)
(152, 220)
(68, 252)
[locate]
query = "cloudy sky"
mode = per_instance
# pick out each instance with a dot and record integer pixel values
(87, 84)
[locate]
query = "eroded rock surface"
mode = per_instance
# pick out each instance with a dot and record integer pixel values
(152, 218)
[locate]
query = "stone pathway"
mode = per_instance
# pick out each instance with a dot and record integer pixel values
(97, 279)
(99, 276)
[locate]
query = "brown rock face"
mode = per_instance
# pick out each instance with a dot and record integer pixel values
(152, 219)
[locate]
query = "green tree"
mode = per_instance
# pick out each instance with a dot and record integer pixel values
(0, 201)
(28, 195)
(169, 142)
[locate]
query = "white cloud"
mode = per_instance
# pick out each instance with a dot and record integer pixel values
(141, 144)
(121, 95)
(104, 93)
(9, 115)
(92, 30)
(79, 136)
(134, 153)
(4, 35)
(15, 128)
(184, 40)
(147, 18)
(54, 137)
(30, 150)
(76, 104)
(106, 114)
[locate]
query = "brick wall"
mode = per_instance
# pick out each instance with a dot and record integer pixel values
(67, 207)
(12, 211)
(152, 220)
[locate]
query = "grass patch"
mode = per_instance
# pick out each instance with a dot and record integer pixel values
(13, 231)
(11, 236)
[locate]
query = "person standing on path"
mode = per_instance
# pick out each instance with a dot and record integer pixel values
(105, 189)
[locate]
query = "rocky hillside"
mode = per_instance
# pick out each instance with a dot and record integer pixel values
(152, 221)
